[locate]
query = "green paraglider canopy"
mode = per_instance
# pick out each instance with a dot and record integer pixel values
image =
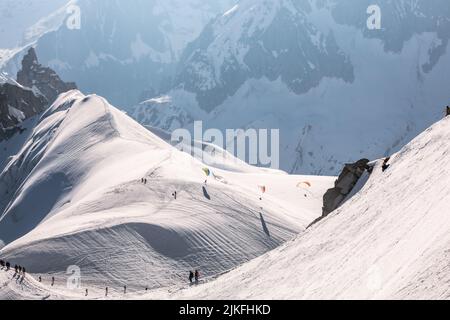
(207, 171)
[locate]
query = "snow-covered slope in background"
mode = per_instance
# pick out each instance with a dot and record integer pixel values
(73, 196)
(390, 241)
(337, 91)
(126, 51)
(20, 20)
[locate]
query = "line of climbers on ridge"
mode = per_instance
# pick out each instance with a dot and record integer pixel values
(19, 271)
(194, 276)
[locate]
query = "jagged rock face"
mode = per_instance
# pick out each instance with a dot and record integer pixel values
(35, 76)
(344, 185)
(17, 104)
(36, 88)
(272, 39)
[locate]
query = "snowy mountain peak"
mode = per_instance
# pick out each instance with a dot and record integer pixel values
(89, 176)
(41, 79)
(35, 89)
(247, 44)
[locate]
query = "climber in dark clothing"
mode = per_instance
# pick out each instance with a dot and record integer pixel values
(447, 111)
(16, 268)
(197, 276)
(385, 164)
(191, 277)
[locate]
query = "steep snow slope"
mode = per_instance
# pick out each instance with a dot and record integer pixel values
(391, 240)
(73, 196)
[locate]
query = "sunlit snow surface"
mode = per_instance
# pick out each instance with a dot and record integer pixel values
(390, 240)
(73, 196)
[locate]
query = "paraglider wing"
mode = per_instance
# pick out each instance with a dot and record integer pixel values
(304, 184)
(262, 189)
(207, 172)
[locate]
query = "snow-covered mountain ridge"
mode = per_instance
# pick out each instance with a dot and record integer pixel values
(389, 241)
(73, 195)
(85, 186)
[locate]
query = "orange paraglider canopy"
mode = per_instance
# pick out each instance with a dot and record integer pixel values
(304, 184)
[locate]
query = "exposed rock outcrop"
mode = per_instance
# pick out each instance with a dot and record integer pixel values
(344, 185)
(34, 75)
(36, 88)
(16, 105)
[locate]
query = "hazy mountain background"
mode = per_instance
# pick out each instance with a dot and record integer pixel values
(337, 90)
